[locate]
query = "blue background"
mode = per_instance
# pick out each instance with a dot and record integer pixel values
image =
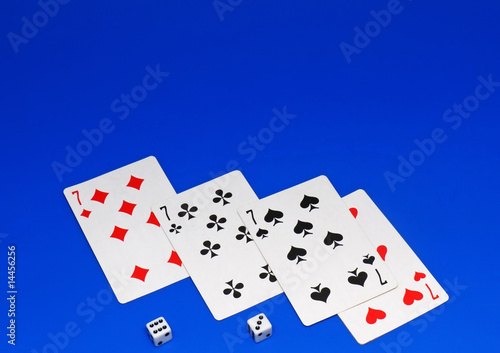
(356, 117)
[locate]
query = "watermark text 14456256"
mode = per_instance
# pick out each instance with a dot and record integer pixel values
(11, 293)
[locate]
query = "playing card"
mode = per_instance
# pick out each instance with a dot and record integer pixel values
(219, 254)
(417, 293)
(114, 212)
(321, 257)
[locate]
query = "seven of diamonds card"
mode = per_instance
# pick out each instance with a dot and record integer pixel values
(418, 291)
(218, 252)
(321, 257)
(114, 212)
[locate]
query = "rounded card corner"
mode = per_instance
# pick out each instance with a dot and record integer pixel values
(151, 158)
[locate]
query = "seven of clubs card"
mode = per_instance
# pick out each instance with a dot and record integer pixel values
(321, 257)
(417, 292)
(114, 212)
(221, 257)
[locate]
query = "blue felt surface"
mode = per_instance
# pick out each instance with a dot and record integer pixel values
(232, 70)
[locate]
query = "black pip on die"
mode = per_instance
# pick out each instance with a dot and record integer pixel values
(259, 327)
(159, 331)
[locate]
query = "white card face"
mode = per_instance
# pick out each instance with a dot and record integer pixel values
(417, 292)
(114, 212)
(321, 257)
(222, 259)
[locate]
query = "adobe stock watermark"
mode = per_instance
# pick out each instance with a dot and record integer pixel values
(421, 324)
(454, 117)
(254, 144)
(310, 263)
(86, 312)
(363, 36)
(31, 26)
(123, 106)
(223, 6)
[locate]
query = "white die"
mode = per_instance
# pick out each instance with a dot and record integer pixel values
(159, 331)
(259, 327)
